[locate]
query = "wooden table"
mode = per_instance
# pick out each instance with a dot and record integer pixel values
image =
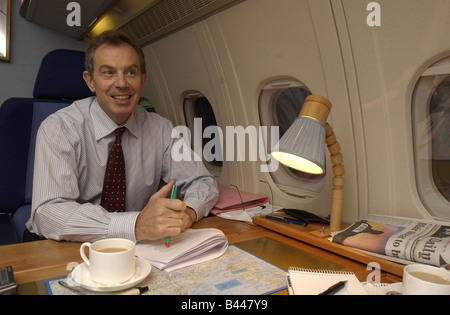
(41, 260)
(302, 233)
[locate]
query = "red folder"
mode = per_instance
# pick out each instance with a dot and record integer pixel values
(229, 200)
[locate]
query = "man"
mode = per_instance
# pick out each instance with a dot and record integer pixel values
(72, 151)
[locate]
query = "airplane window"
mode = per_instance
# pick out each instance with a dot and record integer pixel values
(431, 126)
(440, 137)
(280, 104)
(201, 121)
(288, 104)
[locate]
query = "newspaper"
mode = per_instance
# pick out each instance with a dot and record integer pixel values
(407, 239)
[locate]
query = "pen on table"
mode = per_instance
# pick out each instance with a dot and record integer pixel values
(289, 285)
(77, 289)
(173, 195)
(334, 288)
(284, 219)
(135, 291)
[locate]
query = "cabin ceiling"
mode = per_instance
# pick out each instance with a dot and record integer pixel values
(147, 20)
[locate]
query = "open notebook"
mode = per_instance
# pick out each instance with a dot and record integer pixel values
(190, 247)
(315, 281)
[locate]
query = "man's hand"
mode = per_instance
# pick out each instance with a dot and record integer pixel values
(163, 217)
(190, 217)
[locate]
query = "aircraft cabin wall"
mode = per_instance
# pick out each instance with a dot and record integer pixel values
(242, 58)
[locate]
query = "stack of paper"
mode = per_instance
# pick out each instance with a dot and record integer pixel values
(191, 247)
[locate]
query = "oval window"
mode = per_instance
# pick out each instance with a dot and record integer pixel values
(431, 128)
(201, 120)
(280, 103)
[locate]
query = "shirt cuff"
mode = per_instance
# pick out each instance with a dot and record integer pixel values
(198, 207)
(123, 225)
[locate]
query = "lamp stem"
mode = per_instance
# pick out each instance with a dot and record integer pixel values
(337, 194)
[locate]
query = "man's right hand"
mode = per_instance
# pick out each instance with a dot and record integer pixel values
(161, 217)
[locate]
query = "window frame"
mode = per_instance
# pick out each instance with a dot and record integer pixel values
(190, 99)
(436, 204)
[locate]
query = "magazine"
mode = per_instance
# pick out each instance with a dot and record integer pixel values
(407, 239)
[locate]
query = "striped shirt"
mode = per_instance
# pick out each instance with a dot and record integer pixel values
(72, 148)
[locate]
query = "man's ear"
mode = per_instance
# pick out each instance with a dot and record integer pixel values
(88, 79)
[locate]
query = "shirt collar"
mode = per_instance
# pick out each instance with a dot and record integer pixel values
(104, 125)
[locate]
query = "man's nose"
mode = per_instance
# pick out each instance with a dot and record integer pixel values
(121, 81)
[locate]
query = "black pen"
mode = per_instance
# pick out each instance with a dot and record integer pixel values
(284, 219)
(334, 288)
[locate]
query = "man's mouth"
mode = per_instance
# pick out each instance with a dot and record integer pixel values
(122, 97)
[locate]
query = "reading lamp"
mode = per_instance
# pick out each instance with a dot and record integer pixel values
(302, 148)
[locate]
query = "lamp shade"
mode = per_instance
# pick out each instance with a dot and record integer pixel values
(302, 147)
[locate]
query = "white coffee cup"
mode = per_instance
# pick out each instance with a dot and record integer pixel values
(425, 280)
(111, 261)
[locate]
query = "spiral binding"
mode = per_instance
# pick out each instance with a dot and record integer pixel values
(320, 271)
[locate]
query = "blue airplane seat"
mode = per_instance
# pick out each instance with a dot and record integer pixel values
(59, 82)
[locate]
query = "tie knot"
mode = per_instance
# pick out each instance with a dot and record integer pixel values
(119, 132)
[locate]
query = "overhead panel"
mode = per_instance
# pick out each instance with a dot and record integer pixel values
(168, 16)
(53, 14)
(147, 20)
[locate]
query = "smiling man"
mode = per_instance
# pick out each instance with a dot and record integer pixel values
(116, 74)
(72, 156)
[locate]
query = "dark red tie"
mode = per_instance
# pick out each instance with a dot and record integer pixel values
(113, 195)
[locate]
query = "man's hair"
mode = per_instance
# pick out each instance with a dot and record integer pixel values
(115, 38)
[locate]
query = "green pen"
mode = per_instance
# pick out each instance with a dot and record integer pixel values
(173, 195)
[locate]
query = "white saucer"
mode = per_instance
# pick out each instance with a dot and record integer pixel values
(80, 274)
(396, 287)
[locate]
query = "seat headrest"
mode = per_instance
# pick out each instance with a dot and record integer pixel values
(60, 76)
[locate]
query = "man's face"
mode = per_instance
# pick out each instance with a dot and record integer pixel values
(116, 80)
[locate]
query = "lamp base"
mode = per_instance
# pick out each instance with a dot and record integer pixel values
(322, 233)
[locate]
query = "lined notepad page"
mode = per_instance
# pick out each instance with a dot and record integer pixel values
(315, 281)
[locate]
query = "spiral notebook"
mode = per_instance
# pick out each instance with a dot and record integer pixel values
(315, 281)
